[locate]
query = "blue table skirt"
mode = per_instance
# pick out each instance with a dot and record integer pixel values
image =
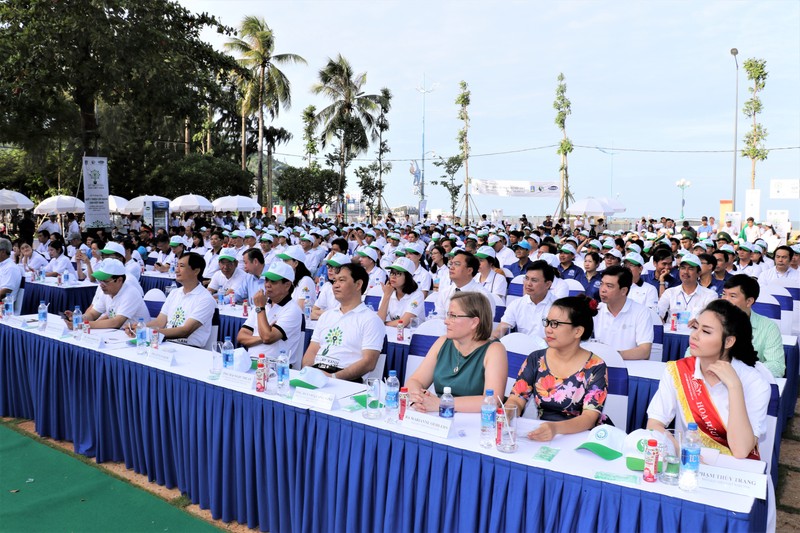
(59, 298)
(640, 392)
(675, 346)
(396, 359)
(230, 325)
(282, 468)
(150, 282)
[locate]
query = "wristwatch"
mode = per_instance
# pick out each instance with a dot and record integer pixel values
(258, 309)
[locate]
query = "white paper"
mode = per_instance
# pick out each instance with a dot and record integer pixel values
(417, 422)
(316, 398)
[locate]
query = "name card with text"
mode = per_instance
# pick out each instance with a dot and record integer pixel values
(314, 398)
(56, 329)
(238, 380)
(427, 424)
(15, 321)
(95, 342)
(733, 481)
(160, 358)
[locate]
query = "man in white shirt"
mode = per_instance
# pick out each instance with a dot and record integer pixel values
(689, 295)
(782, 270)
(177, 247)
(640, 292)
(50, 225)
(368, 258)
(347, 341)
(187, 312)
(212, 256)
(620, 322)
(75, 244)
(744, 264)
(228, 279)
(526, 313)
(275, 324)
(463, 267)
(325, 299)
(116, 303)
(10, 273)
(253, 282)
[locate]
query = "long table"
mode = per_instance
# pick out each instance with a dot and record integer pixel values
(60, 298)
(267, 463)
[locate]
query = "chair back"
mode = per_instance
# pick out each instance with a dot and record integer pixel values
(766, 305)
(377, 372)
(421, 341)
(515, 289)
(373, 296)
(575, 287)
(499, 308)
(154, 300)
(518, 347)
(793, 287)
(657, 349)
(20, 295)
(430, 303)
(214, 330)
(784, 298)
(616, 405)
(508, 274)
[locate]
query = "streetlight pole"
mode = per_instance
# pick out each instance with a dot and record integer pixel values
(424, 91)
(683, 184)
(734, 53)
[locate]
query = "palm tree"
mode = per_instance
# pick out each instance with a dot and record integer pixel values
(256, 46)
(274, 137)
(350, 117)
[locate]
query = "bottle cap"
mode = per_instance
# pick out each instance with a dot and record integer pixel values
(447, 390)
(489, 392)
(261, 356)
(403, 389)
(652, 442)
(392, 373)
(692, 426)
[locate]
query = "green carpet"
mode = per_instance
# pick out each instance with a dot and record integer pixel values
(57, 492)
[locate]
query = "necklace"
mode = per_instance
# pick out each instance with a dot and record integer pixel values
(461, 359)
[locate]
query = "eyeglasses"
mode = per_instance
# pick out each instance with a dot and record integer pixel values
(393, 272)
(554, 323)
(453, 316)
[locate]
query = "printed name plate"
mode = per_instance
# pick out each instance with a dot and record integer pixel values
(56, 329)
(238, 380)
(160, 358)
(733, 481)
(424, 423)
(95, 342)
(15, 321)
(314, 398)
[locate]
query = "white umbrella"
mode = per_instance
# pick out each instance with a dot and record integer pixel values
(136, 205)
(190, 202)
(60, 204)
(614, 203)
(235, 203)
(14, 200)
(589, 206)
(116, 203)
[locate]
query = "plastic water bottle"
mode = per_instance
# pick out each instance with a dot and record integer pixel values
(65, 278)
(320, 284)
(41, 274)
(172, 268)
(42, 315)
(77, 323)
(141, 337)
(690, 459)
(447, 404)
(282, 364)
(220, 299)
(8, 308)
(488, 417)
(227, 353)
(392, 399)
(307, 309)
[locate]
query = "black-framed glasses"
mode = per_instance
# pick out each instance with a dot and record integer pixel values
(393, 272)
(453, 316)
(554, 323)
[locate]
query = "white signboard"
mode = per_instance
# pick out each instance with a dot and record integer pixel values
(542, 189)
(95, 192)
(784, 189)
(752, 204)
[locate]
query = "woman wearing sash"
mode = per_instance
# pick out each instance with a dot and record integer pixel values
(717, 386)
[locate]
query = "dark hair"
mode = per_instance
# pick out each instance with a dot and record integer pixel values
(300, 272)
(472, 262)
(708, 258)
(196, 261)
(56, 245)
(409, 285)
(749, 286)
(661, 253)
(162, 238)
(439, 248)
(785, 248)
(594, 257)
(45, 233)
(735, 323)
(726, 253)
(580, 311)
(358, 273)
(493, 263)
(623, 275)
(254, 254)
(547, 271)
(341, 243)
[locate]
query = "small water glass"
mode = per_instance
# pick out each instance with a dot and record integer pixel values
(373, 398)
(508, 433)
(669, 453)
(216, 361)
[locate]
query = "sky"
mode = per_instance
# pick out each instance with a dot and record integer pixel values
(654, 77)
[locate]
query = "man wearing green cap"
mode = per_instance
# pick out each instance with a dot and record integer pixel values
(116, 301)
(689, 295)
(744, 264)
(228, 279)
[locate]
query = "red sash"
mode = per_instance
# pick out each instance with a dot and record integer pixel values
(694, 396)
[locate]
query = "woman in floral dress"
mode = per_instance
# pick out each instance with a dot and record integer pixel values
(566, 382)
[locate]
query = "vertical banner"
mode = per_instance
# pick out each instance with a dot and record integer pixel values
(752, 204)
(95, 192)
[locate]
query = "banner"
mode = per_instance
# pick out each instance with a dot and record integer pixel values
(95, 192)
(541, 189)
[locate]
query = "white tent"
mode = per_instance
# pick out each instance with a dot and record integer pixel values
(59, 205)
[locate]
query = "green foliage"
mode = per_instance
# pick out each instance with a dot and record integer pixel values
(307, 188)
(371, 187)
(563, 108)
(198, 174)
(450, 167)
(754, 139)
(463, 100)
(309, 129)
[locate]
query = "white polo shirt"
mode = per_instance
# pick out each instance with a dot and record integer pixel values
(632, 327)
(198, 305)
(664, 405)
(61, 264)
(376, 277)
(305, 290)
(423, 278)
(287, 317)
(343, 337)
(443, 302)
(769, 275)
(413, 303)
(527, 316)
(220, 282)
(326, 300)
(676, 300)
(212, 263)
(128, 303)
(645, 295)
(10, 277)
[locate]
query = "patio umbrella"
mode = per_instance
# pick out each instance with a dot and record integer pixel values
(190, 202)
(60, 204)
(613, 203)
(116, 203)
(14, 200)
(589, 206)
(235, 203)
(136, 205)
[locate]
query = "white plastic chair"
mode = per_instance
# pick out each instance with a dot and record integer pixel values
(515, 289)
(794, 289)
(421, 341)
(575, 287)
(499, 309)
(377, 372)
(518, 347)
(657, 348)
(373, 297)
(767, 306)
(154, 299)
(616, 405)
(430, 304)
(20, 296)
(784, 298)
(214, 336)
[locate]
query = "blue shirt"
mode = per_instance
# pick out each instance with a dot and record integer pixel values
(651, 278)
(248, 288)
(573, 272)
(516, 270)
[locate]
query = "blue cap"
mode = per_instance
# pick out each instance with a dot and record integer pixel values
(392, 373)
(692, 426)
